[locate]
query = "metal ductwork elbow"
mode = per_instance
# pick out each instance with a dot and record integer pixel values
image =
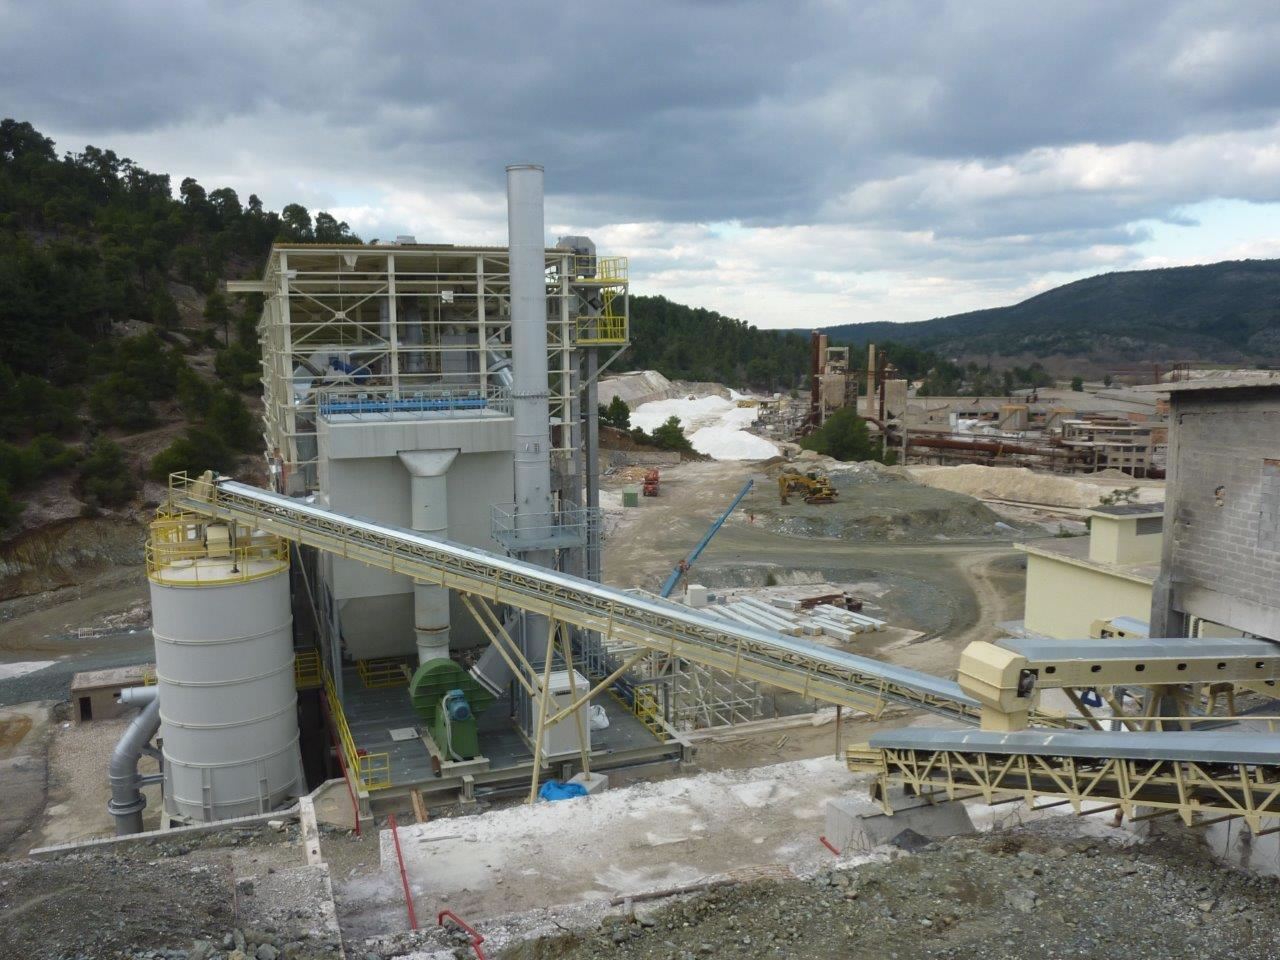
(127, 802)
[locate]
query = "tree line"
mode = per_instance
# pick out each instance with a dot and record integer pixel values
(92, 247)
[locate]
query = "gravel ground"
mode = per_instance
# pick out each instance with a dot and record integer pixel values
(186, 897)
(54, 681)
(880, 505)
(1039, 891)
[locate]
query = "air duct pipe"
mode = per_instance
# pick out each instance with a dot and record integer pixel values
(429, 507)
(499, 366)
(492, 670)
(530, 393)
(127, 802)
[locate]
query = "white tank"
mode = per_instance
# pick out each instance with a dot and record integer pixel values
(224, 668)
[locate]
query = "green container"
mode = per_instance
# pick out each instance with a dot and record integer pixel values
(630, 497)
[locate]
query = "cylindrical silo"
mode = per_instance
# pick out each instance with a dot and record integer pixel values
(224, 666)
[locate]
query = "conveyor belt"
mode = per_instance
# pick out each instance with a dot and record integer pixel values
(1249, 747)
(1219, 775)
(814, 671)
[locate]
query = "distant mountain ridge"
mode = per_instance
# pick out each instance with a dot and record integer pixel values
(1224, 312)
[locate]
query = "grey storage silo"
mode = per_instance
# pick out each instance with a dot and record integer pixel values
(224, 667)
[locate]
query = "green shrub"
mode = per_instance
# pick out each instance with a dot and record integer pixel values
(238, 366)
(200, 449)
(844, 436)
(10, 509)
(670, 436)
(231, 420)
(104, 476)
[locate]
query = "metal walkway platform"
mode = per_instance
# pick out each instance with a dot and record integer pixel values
(373, 712)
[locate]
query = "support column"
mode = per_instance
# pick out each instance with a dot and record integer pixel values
(530, 394)
(591, 460)
(429, 504)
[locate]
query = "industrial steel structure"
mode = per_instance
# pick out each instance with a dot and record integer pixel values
(426, 404)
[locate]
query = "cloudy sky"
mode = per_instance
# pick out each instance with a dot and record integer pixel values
(795, 164)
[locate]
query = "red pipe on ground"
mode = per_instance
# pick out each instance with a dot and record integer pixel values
(827, 843)
(476, 938)
(404, 877)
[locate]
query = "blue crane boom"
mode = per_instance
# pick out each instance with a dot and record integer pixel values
(688, 561)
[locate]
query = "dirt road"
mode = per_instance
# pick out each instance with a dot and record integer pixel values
(950, 590)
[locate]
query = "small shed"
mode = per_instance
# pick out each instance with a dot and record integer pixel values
(94, 693)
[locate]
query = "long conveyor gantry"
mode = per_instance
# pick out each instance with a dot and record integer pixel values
(1235, 774)
(651, 623)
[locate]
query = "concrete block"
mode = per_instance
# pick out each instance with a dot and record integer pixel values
(591, 782)
(857, 824)
(696, 595)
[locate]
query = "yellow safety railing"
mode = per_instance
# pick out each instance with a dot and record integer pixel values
(371, 770)
(605, 327)
(148, 676)
(183, 551)
(382, 673)
(645, 707)
(307, 670)
(612, 269)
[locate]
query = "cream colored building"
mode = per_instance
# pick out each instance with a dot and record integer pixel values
(1073, 582)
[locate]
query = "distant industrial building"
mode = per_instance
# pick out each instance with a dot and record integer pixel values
(1221, 552)
(1074, 582)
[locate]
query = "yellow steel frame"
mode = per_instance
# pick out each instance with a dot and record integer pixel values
(644, 705)
(372, 771)
(608, 327)
(149, 678)
(382, 673)
(175, 544)
(307, 672)
(1229, 789)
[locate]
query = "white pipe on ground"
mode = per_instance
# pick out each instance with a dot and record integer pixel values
(429, 513)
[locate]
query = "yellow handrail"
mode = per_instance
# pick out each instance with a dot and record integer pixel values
(382, 673)
(307, 670)
(372, 770)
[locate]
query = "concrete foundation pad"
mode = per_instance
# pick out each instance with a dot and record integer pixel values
(591, 782)
(855, 824)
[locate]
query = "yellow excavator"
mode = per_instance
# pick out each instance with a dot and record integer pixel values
(815, 486)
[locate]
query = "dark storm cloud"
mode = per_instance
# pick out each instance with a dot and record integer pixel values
(762, 112)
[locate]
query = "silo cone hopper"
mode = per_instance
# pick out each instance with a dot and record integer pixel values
(448, 700)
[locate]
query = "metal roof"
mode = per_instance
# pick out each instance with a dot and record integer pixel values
(1130, 510)
(1040, 650)
(1234, 747)
(1269, 380)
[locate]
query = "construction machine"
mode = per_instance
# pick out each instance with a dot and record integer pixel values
(815, 486)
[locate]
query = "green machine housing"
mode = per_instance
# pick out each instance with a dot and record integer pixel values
(449, 700)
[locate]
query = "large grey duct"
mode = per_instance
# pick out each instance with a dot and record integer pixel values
(127, 802)
(530, 393)
(429, 508)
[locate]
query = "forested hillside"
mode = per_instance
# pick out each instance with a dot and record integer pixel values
(690, 343)
(1225, 312)
(120, 357)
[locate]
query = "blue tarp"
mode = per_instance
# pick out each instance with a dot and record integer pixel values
(555, 790)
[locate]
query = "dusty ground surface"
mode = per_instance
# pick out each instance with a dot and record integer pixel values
(1038, 891)
(947, 591)
(177, 898)
(78, 790)
(25, 734)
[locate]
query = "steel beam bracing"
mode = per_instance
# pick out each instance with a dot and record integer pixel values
(812, 671)
(1224, 775)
